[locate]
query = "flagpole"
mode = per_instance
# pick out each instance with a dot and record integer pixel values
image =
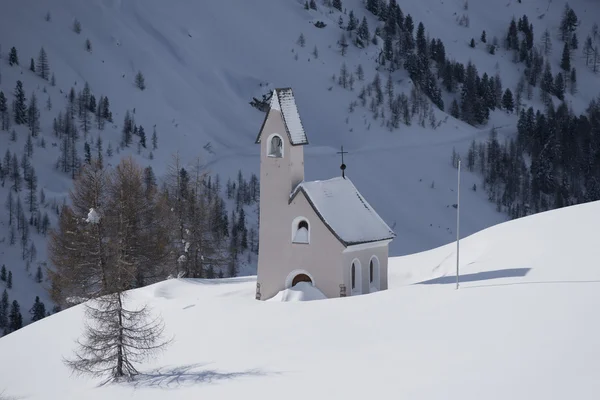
(458, 225)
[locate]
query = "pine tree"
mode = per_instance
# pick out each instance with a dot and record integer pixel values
(142, 135)
(363, 31)
(32, 65)
(38, 310)
(472, 43)
(77, 26)
(88, 45)
(87, 151)
(154, 139)
(15, 319)
(547, 42)
(559, 86)
(9, 280)
(39, 276)
(15, 173)
(337, 4)
(128, 125)
(140, 81)
(483, 37)
(31, 184)
(301, 40)
(3, 273)
(43, 67)
(573, 81)
(574, 41)
(4, 117)
(507, 101)
(547, 84)
(19, 105)
(4, 304)
(565, 63)
(313, 4)
(343, 43)
(33, 116)
(28, 149)
(13, 58)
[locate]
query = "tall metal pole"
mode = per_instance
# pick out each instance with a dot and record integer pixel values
(458, 225)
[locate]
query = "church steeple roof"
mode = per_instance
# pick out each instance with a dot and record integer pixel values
(283, 101)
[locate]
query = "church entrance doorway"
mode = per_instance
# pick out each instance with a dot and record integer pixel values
(301, 278)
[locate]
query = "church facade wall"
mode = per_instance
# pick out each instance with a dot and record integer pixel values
(363, 254)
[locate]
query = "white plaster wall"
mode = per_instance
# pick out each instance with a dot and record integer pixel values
(364, 254)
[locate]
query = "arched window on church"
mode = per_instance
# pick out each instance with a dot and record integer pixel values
(374, 275)
(356, 277)
(300, 231)
(275, 147)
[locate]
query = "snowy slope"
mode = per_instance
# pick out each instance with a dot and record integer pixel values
(204, 63)
(521, 326)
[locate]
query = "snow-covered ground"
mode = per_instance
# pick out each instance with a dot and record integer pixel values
(523, 325)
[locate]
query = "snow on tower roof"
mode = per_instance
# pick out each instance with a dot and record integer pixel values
(344, 211)
(283, 100)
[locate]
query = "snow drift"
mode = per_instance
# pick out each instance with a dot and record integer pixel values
(302, 291)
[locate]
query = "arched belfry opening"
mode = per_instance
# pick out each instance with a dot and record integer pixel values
(300, 231)
(275, 147)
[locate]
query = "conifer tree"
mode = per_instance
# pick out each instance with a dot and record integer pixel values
(4, 117)
(38, 310)
(573, 81)
(313, 4)
(3, 273)
(19, 105)
(547, 42)
(483, 37)
(43, 67)
(13, 58)
(87, 153)
(507, 101)
(4, 304)
(565, 63)
(363, 31)
(39, 276)
(154, 139)
(142, 135)
(31, 184)
(32, 65)
(140, 81)
(33, 116)
(337, 4)
(559, 86)
(15, 319)
(9, 280)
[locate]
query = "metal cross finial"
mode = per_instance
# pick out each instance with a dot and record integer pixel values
(343, 166)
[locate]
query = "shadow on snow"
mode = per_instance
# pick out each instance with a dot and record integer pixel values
(478, 276)
(186, 375)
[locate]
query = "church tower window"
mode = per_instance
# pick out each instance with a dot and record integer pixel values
(275, 146)
(300, 231)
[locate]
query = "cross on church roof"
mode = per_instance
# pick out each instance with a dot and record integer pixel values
(343, 166)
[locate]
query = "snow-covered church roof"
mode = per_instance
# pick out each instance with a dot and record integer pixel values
(283, 100)
(344, 211)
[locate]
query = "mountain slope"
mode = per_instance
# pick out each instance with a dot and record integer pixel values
(518, 327)
(203, 63)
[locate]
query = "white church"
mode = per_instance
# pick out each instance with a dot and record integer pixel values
(321, 232)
